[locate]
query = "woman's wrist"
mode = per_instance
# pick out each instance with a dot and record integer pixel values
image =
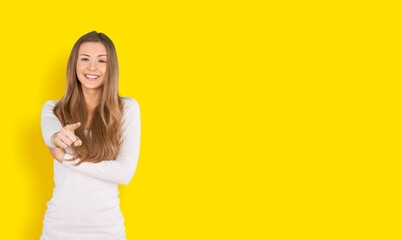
(57, 153)
(51, 139)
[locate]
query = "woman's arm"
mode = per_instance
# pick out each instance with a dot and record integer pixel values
(51, 127)
(120, 170)
(49, 123)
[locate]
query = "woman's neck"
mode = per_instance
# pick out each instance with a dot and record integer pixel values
(92, 98)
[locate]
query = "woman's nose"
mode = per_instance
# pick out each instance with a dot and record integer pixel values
(92, 66)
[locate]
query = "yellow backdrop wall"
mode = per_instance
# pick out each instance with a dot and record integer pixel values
(260, 120)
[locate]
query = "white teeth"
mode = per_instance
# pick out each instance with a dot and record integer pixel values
(91, 76)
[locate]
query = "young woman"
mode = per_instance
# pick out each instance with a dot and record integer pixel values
(94, 136)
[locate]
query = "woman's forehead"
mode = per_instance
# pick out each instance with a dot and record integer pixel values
(92, 48)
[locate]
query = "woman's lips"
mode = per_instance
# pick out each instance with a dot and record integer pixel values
(91, 77)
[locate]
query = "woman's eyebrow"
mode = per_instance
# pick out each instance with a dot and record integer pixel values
(101, 55)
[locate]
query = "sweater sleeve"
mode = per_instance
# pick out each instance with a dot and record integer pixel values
(49, 123)
(122, 169)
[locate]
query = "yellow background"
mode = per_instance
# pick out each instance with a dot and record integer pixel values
(259, 120)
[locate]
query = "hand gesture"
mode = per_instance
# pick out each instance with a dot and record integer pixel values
(66, 137)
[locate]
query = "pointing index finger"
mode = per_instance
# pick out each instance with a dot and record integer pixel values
(73, 126)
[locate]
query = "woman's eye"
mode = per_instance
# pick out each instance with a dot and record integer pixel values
(85, 59)
(102, 61)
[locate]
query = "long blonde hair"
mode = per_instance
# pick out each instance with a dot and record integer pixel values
(103, 138)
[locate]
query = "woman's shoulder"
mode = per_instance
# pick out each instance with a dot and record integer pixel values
(50, 104)
(131, 108)
(130, 103)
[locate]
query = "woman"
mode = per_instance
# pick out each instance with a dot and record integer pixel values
(93, 135)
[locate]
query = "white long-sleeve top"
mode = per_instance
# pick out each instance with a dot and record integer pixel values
(85, 203)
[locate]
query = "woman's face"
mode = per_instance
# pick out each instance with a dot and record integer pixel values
(91, 65)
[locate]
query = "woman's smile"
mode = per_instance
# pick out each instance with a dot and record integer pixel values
(91, 77)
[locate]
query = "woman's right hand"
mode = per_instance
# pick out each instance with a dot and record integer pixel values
(66, 137)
